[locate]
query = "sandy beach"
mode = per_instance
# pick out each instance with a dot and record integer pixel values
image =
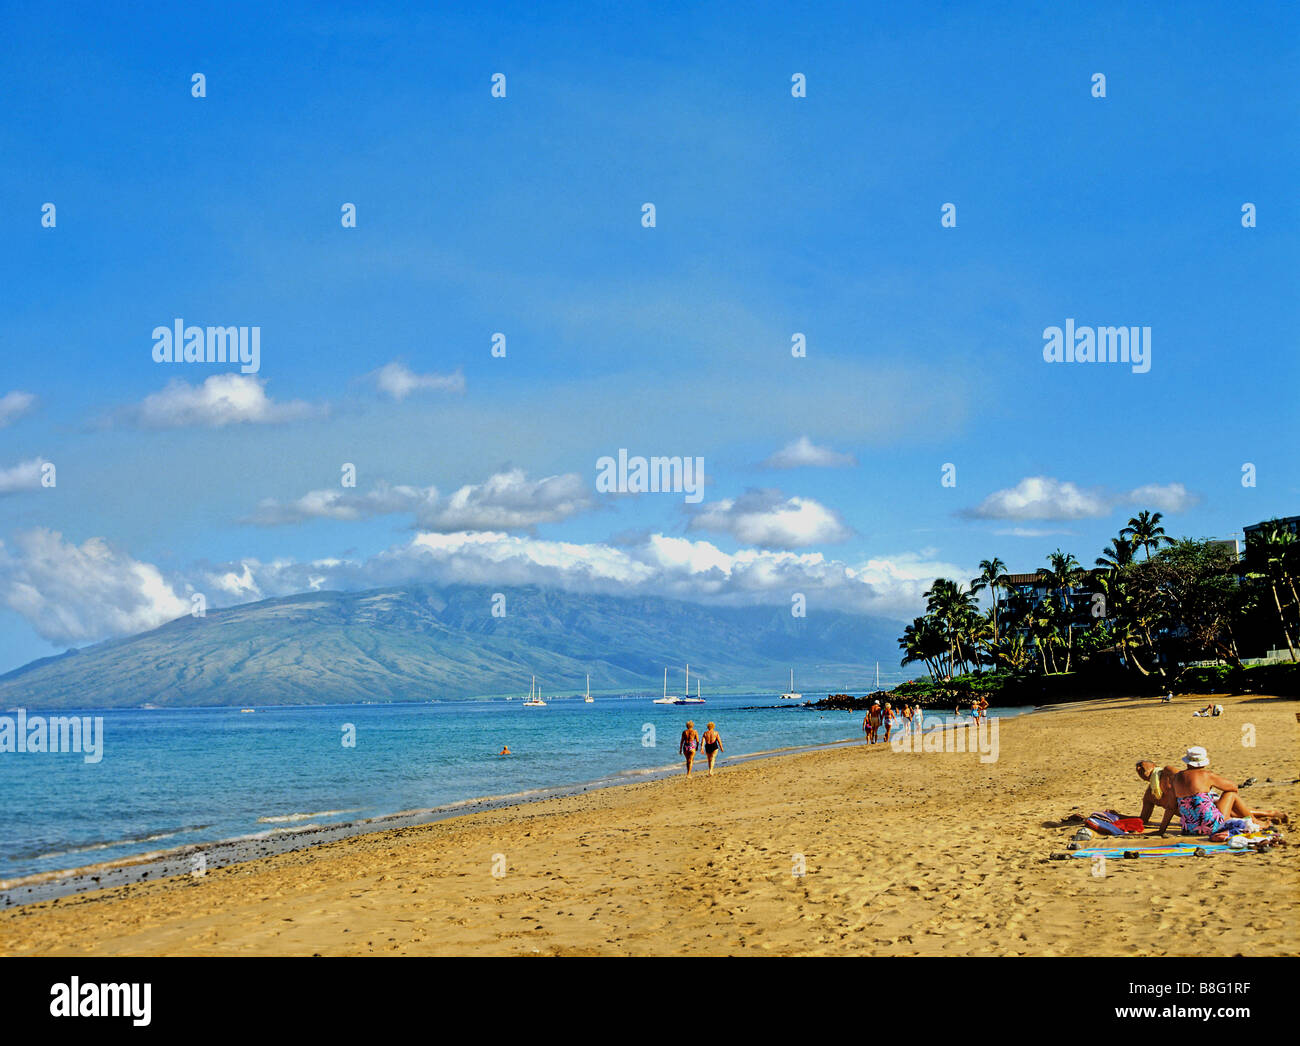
(903, 854)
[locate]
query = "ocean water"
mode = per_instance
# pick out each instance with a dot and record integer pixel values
(173, 777)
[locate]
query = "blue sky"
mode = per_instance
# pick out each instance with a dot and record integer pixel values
(522, 214)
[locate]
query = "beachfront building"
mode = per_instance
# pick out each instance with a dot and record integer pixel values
(1022, 593)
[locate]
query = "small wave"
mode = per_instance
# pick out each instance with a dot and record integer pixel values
(130, 840)
(646, 772)
(287, 818)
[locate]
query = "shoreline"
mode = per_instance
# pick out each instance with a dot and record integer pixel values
(156, 865)
(841, 849)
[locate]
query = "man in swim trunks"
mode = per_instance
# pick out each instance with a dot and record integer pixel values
(873, 719)
(1160, 791)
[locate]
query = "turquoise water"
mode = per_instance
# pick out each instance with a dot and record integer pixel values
(172, 777)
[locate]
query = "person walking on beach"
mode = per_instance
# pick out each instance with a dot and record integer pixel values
(888, 719)
(873, 717)
(689, 744)
(712, 745)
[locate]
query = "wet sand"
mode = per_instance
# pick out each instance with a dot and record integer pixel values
(902, 854)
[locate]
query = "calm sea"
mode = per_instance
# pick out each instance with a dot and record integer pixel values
(172, 777)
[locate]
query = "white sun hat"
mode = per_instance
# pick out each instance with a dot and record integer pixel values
(1197, 757)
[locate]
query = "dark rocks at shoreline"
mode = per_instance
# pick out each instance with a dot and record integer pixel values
(849, 703)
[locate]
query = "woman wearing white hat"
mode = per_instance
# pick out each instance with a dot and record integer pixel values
(1204, 813)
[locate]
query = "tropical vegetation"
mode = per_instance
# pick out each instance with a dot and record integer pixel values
(1151, 608)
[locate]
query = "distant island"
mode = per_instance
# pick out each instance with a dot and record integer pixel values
(421, 643)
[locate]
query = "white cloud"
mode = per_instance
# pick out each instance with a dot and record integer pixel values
(223, 399)
(26, 475)
(13, 405)
(656, 564)
(78, 594)
(1168, 497)
(344, 504)
(509, 500)
(770, 520)
(804, 453)
(74, 594)
(1042, 497)
(399, 381)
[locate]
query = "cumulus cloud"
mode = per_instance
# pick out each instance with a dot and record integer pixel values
(1042, 497)
(13, 405)
(1168, 497)
(399, 381)
(80, 593)
(655, 564)
(75, 594)
(343, 504)
(768, 519)
(222, 399)
(26, 475)
(508, 500)
(804, 453)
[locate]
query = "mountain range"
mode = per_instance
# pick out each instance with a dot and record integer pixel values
(418, 643)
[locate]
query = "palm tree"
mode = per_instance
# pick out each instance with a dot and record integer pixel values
(922, 641)
(1145, 531)
(1042, 630)
(1119, 553)
(1064, 574)
(993, 572)
(1275, 547)
(951, 606)
(1012, 652)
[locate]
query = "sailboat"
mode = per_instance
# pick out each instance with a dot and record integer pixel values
(791, 695)
(534, 696)
(666, 700)
(588, 700)
(696, 700)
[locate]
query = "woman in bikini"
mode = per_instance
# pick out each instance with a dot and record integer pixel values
(689, 744)
(712, 745)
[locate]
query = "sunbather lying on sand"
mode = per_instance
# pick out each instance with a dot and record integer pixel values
(1207, 814)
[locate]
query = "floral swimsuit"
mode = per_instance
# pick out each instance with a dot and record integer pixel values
(1201, 816)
